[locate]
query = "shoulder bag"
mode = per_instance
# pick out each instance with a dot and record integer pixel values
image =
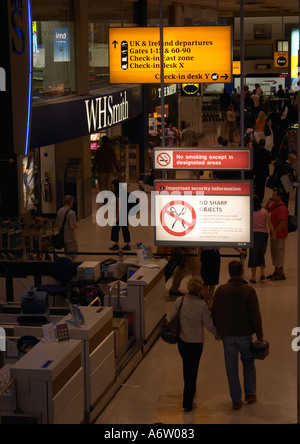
(58, 240)
(286, 183)
(272, 182)
(171, 330)
(292, 220)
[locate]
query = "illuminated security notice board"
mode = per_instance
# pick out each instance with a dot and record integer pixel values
(191, 54)
(193, 213)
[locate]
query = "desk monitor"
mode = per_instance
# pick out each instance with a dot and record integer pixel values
(131, 271)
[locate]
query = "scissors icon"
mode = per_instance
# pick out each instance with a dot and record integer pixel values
(182, 213)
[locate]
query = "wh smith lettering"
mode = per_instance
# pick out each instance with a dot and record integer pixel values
(103, 112)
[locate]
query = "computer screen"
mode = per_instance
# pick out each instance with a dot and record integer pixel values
(131, 271)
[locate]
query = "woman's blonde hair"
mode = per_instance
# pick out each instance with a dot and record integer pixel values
(195, 287)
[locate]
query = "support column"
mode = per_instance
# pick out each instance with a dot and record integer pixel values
(242, 98)
(298, 258)
(9, 192)
(82, 46)
(142, 19)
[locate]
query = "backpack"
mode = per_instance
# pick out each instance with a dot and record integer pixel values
(247, 139)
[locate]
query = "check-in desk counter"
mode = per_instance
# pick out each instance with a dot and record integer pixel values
(98, 351)
(145, 298)
(50, 381)
(148, 285)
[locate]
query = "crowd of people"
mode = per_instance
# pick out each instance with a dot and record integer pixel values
(273, 140)
(231, 312)
(262, 120)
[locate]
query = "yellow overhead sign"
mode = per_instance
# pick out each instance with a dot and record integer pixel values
(236, 68)
(195, 54)
(281, 59)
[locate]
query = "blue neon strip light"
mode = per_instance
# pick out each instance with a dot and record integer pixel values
(30, 51)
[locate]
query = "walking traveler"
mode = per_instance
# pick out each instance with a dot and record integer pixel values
(251, 136)
(188, 136)
(237, 317)
(279, 219)
(259, 91)
(67, 215)
(105, 163)
(261, 122)
(115, 231)
(190, 262)
(280, 95)
(171, 134)
(210, 272)
(256, 102)
(225, 101)
(285, 174)
(261, 224)
(249, 118)
(194, 316)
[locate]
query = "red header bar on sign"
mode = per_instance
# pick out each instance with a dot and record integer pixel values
(205, 188)
(202, 159)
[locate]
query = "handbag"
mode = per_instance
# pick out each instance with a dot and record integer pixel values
(286, 183)
(260, 350)
(171, 331)
(272, 182)
(58, 240)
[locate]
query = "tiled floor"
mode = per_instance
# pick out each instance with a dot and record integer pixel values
(153, 394)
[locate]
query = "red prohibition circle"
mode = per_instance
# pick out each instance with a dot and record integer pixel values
(164, 161)
(166, 211)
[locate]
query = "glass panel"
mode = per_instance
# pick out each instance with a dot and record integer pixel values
(104, 14)
(53, 49)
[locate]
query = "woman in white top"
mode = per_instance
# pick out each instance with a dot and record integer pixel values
(194, 316)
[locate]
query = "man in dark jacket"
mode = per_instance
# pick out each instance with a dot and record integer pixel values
(104, 164)
(237, 317)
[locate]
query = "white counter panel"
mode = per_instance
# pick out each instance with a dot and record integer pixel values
(102, 377)
(102, 351)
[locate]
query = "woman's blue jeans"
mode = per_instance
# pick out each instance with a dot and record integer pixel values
(233, 346)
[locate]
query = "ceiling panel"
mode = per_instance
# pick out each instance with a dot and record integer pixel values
(252, 7)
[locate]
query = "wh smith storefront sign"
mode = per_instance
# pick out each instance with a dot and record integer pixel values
(106, 111)
(84, 115)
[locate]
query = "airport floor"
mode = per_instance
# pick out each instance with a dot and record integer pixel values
(153, 393)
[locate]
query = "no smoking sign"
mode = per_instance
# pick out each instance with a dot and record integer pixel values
(163, 160)
(178, 218)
